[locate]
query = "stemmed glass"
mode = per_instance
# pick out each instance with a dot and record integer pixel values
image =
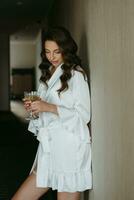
(29, 97)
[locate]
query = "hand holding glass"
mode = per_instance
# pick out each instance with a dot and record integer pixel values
(29, 97)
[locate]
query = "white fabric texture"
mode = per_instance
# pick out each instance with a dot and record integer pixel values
(63, 157)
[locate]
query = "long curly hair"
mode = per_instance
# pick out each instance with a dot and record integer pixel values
(68, 48)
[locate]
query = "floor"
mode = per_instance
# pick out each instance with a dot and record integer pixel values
(17, 151)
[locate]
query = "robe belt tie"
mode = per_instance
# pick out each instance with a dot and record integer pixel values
(44, 138)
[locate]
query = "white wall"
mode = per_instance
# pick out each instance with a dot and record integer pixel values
(112, 72)
(104, 32)
(26, 54)
(22, 54)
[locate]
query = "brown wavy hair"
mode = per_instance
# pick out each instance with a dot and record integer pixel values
(68, 49)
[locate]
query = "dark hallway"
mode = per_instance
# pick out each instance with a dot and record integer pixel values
(17, 145)
(17, 151)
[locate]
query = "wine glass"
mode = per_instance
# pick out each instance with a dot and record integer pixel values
(30, 97)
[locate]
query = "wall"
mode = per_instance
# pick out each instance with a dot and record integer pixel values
(4, 72)
(104, 32)
(38, 44)
(22, 54)
(26, 54)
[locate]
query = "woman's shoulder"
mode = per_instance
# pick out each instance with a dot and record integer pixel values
(78, 72)
(77, 68)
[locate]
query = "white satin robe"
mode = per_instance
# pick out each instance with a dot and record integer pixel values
(63, 158)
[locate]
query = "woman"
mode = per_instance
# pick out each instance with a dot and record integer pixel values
(63, 159)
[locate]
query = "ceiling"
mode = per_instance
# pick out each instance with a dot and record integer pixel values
(28, 33)
(24, 16)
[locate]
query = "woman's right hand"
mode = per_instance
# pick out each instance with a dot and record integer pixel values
(27, 104)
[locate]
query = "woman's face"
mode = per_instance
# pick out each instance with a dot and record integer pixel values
(53, 53)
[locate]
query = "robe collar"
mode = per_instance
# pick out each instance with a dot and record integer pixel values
(56, 75)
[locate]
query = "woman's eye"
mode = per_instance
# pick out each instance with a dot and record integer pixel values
(58, 52)
(46, 52)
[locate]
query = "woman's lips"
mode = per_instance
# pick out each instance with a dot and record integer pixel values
(54, 62)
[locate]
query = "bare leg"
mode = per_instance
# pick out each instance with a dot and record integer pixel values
(28, 190)
(68, 196)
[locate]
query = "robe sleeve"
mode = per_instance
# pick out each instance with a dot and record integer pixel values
(76, 118)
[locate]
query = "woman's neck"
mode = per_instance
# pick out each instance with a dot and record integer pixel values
(52, 69)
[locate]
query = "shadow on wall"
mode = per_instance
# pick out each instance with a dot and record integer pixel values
(84, 55)
(83, 52)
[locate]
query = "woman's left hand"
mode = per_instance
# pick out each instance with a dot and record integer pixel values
(43, 106)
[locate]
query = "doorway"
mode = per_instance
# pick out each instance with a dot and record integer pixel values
(25, 48)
